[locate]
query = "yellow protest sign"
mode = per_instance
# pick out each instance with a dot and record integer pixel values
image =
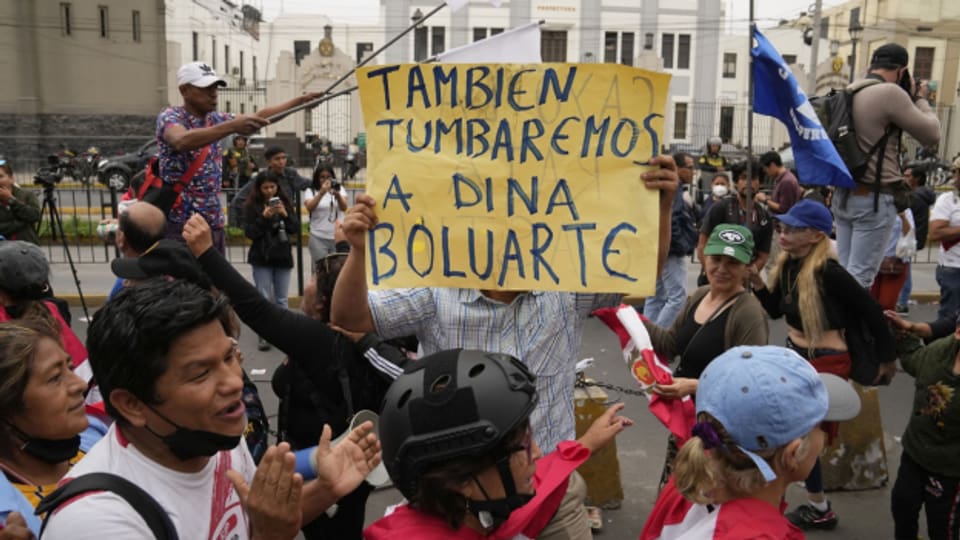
(512, 177)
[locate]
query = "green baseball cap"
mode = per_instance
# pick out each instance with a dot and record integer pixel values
(731, 240)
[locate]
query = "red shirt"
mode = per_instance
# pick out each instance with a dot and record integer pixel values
(674, 518)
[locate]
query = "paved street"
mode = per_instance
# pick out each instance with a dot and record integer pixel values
(863, 515)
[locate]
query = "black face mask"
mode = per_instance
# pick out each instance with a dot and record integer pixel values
(493, 512)
(52, 451)
(187, 443)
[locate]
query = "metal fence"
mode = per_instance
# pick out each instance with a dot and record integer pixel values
(82, 208)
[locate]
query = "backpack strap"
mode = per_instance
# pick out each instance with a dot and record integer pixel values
(149, 509)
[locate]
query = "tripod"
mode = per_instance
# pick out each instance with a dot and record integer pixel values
(56, 226)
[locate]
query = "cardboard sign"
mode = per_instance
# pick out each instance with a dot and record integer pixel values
(512, 177)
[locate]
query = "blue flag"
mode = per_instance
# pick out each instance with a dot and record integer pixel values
(777, 94)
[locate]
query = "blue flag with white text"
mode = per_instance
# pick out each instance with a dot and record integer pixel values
(776, 93)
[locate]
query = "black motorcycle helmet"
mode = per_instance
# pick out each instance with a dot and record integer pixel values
(451, 404)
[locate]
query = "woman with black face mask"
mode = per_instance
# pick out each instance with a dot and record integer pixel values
(44, 426)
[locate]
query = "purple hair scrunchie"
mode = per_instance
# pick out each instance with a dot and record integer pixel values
(711, 439)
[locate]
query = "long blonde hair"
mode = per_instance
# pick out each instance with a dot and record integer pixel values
(808, 289)
(698, 472)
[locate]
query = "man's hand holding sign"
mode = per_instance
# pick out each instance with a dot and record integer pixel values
(512, 177)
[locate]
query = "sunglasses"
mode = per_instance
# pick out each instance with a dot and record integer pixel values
(790, 229)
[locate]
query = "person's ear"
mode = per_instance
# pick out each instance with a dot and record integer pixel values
(790, 458)
(129, 406)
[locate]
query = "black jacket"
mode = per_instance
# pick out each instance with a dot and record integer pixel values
(319, 358)
(268, 248)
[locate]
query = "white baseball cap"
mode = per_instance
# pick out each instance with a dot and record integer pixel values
(198, 74)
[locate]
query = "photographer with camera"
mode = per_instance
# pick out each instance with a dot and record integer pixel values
(886, 104)
(19, 208)
(326, 201)
(270, 223)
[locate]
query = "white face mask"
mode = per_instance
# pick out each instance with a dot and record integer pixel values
(719, 190)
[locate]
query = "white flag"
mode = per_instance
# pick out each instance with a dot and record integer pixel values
(519, 45)
(457, 4)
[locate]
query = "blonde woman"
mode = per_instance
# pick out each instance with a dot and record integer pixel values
(819, 300)
(760, 413)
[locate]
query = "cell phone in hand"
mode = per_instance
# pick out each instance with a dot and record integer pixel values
(274, 201)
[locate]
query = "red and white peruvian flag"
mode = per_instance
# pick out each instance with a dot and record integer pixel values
(647, 369)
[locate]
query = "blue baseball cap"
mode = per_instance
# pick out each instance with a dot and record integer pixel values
(808, 213)
(767, 396)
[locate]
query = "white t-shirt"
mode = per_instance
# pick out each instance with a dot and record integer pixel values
(201, 505)
(947, 208)
(325, 215)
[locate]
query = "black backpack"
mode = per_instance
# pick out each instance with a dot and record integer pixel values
(149, 509)
(835, 111)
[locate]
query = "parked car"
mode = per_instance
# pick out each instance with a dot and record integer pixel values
(117, 171)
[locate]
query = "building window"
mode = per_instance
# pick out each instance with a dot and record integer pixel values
(420, 35)
(683, 51)
(301, 48)
(854, 15)
(610, 47)
(241, 65)
(254, 62)
(213, 47)
(66, 19)
(243, 108)
(226, 59)
(136, 26)
(613, 54)
(923, 63)
(626, 48)
(484, 33)
(680, 121)
(228, 107)
(437, 40)
(726, 123)
(790, 59)
(553, 45)
(196, 46)
(825, 28)
(666, 50)
(729, 65)
(104, 21)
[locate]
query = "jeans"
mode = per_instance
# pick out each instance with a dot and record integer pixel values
(939, 495)
(671, 293)
(907, 288)
(949, 280)
(320, 247)
(814, 481)
(862, 234)
(273, 283)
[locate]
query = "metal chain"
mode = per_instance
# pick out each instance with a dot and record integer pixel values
(583, 382)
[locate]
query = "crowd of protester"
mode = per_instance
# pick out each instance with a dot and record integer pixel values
(153, 428)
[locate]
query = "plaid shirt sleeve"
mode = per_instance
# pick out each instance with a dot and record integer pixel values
(401, 312)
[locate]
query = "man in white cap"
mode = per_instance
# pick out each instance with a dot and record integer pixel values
(189, 138)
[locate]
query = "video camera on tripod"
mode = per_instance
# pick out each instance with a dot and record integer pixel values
(51, 174)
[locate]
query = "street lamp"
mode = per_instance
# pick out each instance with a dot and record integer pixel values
(856, 31)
